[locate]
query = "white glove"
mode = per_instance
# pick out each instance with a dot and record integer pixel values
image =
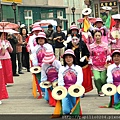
(90, 62)
(83, 59)
(6, 45)
(114, 41)
(108, 58)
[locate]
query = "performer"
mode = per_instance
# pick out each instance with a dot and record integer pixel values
(49, 72)
(114, 36)
(99, 26)
(73, 30)
(82, 55)
(3, 90)
(69, 74)
(5, 59)
(32, 42)
(39, 52)
(99, 55)
(113, 76)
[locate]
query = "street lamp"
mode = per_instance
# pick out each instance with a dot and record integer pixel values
(73, 11)
(14, 8)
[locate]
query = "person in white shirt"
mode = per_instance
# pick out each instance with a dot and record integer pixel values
(32, 41)
(49, 72)
(39, 52)
(69, 74)
(113, 75)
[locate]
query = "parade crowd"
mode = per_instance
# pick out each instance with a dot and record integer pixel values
(61, 61)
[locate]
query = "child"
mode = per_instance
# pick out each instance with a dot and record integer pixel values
(69, 74)
(113, 76)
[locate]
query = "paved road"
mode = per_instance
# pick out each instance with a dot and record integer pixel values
(21, 100)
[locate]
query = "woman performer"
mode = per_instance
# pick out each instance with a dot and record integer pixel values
(3, 91)
(69, 74)
(39, 51)
(82, 54)
(49, 72)
(113, 76)
(99, 55)
(5, 59)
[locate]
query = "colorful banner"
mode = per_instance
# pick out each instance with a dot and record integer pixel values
(16, 1)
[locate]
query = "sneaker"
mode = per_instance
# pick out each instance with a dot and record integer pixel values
(0, 102)
(101, 94)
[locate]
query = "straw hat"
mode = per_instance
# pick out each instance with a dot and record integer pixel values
(76, 90)
(36, 27)
(109, 89)
(41, 35)
(86, 11)
(54, 84)
(45, 84)
(35, 69)
(49, 57)
(68, 52)
(59, 92)
(114, 52)
(118, 89)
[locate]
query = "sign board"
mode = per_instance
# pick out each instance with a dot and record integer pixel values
(16, 1)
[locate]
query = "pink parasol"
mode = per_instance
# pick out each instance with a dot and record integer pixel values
(8, 25)
(91, 19)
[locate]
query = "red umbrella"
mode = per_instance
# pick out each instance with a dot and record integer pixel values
(8, 25)
(91, 19)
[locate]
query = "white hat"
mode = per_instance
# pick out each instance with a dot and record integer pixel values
(86, 11)
(23, 25)
(56, 90)
(73, 27)
(116, 16)
(80, 90)
(68, 52)
(115, 51)
(49, 57)
(109, 89)
(41, 35)
(35, 69)
(106, 8)
(98, 20)
(36, 27)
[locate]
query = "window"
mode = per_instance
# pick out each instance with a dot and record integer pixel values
(45, 15)
(60, 14)
(28, 18)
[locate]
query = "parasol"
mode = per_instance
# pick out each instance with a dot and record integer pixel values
(8, 25)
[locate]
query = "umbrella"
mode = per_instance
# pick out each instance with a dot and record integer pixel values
(91, 19)
(8, 25)
(10, 31)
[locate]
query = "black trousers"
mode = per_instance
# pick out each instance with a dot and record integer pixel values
(13, 59)
(25, 58)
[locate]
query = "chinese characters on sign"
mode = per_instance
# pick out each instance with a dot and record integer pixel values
(108, 4)
(96, 11)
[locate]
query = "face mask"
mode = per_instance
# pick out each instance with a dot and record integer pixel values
(75, 40)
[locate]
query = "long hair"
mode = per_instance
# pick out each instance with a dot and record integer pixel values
(22, 33)
(74, 60)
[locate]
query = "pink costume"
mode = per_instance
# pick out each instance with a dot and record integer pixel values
(3, 90)
(114, 35)
(70, 77)
(39, 52)
(99, 54)
(6, 61)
